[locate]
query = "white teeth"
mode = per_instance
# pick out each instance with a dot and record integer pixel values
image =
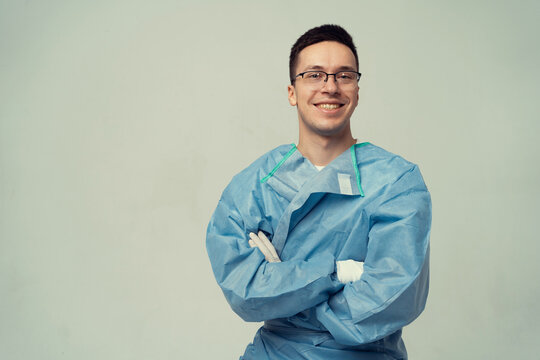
(329, 106)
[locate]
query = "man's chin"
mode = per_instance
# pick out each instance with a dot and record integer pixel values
(330, 130)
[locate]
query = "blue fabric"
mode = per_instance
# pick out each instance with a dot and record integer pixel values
(308, 314)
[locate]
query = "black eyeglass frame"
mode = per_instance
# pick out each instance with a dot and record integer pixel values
(358, 75)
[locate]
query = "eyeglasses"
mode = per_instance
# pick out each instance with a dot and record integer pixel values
(341, 78)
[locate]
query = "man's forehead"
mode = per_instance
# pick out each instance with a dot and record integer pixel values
(326, 54)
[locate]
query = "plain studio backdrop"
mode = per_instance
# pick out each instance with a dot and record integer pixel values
(122, 121)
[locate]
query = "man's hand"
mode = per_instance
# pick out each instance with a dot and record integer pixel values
(265, 246)
(349, 270)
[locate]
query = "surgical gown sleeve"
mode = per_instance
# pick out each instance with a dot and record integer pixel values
(393, 288)
(255, 289)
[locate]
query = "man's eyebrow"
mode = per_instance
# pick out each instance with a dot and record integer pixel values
(318, 67)
(314, 67)
(347, 68)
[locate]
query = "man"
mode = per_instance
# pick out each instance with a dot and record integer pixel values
(326, 241)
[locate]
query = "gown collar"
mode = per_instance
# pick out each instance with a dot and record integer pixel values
(294, 171)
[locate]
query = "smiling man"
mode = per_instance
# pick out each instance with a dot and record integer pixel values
(326, 241)
(325, 92)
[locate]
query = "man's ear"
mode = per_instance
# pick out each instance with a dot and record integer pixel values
(292, 95)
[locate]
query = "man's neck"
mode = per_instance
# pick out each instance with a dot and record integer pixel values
(321, 150)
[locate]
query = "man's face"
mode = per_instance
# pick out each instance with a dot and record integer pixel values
(326, 109)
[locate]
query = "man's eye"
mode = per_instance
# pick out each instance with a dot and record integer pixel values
(314, 75)
(346, 76)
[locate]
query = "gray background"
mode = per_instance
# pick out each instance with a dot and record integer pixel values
(122, 122)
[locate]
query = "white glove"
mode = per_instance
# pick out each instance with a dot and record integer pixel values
(265, 246)
(349, 270)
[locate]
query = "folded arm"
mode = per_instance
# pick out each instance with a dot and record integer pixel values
(393, 288)
(256, 289)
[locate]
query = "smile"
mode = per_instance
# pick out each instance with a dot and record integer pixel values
(329, 106)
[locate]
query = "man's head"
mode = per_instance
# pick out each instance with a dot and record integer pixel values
(324, 83)
(316, 35)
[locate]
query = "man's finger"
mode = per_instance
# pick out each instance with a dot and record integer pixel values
(262, 247)
(269, 245)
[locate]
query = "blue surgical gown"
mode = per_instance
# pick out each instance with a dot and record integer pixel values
(368, 205)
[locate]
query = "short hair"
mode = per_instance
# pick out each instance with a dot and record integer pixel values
(316, 35)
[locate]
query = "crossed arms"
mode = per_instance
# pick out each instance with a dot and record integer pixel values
(390, 293)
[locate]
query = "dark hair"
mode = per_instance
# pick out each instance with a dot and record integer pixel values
(316, 35)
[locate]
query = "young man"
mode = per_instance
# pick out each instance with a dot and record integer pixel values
(326, 241)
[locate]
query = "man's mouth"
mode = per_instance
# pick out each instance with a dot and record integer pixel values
(329, 106)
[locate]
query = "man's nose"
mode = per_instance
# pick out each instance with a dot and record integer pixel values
(330, 84)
